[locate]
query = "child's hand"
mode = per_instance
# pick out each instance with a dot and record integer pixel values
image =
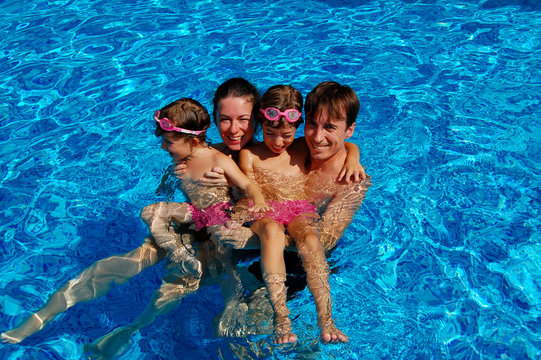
(260, 207)
(215, 177)
(353, 172)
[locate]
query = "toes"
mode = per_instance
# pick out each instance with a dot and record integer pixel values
(334, 335)
(286, 338)
(326, 337)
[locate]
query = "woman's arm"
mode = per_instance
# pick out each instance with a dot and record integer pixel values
(215, 177)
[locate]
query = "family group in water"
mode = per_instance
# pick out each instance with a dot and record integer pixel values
(281, 194)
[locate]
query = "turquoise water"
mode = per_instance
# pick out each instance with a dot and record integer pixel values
(443, 260)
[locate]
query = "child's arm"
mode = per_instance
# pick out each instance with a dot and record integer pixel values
(352, 166)
(158, 217)
(237, 177)
(246, 162)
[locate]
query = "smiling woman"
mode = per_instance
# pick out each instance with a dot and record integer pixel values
(235, 104)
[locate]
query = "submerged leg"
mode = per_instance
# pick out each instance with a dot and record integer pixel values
(278, 295)
(176, 284)
(169, 295)
(92, 283)
(317, 278)
(273, 243)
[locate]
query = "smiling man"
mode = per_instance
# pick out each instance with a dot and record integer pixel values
(331, 112)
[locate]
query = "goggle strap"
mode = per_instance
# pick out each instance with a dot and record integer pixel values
(174, 128)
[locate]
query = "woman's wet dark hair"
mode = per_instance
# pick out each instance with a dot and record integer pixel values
(236, 87)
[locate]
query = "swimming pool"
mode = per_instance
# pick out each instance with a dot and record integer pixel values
(443, 259)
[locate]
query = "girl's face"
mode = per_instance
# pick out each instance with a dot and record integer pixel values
(178, 148)
(278, 139)
(235, 122)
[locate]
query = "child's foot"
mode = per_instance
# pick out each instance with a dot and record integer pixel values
(330, 333)
(282, 330)
(28, 327)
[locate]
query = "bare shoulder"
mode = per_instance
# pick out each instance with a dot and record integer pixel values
(220, 159)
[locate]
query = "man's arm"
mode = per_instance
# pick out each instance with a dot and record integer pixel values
(340, 211)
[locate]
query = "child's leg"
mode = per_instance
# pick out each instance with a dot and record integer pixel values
(273, 242)
(317, 277)
(92, 283)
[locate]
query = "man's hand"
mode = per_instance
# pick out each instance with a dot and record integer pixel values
(185, 262)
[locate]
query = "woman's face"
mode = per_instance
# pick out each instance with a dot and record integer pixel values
(235, 122)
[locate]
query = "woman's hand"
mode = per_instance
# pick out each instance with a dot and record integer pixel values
(216, 177)
(237, 237)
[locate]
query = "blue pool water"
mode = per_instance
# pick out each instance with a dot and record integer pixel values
(443, 260)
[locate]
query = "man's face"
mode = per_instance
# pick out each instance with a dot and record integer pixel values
(325, 136)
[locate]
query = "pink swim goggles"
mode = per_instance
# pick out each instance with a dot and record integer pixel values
(168, 125)
(273, 114)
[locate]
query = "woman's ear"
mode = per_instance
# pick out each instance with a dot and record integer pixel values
(194, 141)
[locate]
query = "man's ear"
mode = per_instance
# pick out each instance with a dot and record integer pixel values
(350, 130)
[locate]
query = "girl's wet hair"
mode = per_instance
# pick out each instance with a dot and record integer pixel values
(236, 87)
(185, 113)
(333, 99)
(282, 97)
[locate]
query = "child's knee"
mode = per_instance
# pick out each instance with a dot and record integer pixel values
(268, 228)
